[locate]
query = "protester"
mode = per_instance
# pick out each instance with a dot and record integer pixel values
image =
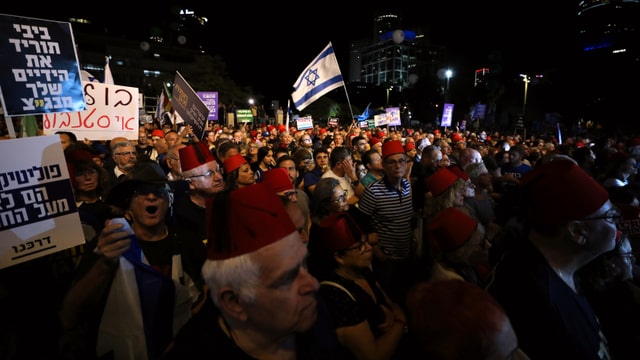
(607, 281)
(387, 210)
(143, 146)
(237, 172)
(67, 138)
(311, 178)
(300, 197)
(201, 172)
(369, 325)
(445, 189)
(161, 147)
(372, 160)
(123, 153)
(132, 293)
(90, 183)
(173, 162)
(265, 299)
(341, 167)
(264, 162)
(569, 221)
(461, 247)
(279, 181)
(456, 320)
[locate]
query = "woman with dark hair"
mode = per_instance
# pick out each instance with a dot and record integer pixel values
(90, 183)
(328, 197)
(369, 325)
(265, 162)
(238, 173)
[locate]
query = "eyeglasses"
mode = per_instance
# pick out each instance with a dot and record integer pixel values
(395, 162)
(341, 198)
(630, 256)
(612, 216)
(360, 246)
(207, 174)
(146, 189)
(126, 153)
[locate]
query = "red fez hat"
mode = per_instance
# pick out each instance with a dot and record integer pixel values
(78, 155)
(634, 142)
(233, 162)
(391, 148)
(322, 131)
(560, 191)
(456, 137)
(278, 180)
(450, 229)
(409, 146)
(158, 133)
(381, 134)
(236, 221)
(374, 140)
(77, 158)
(194, 155)
(440, 181)
(338, 231)
(458, 171)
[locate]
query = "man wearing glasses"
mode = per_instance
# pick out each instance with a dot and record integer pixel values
(124, 156)
(202, 173)
(566, 220)
(139, 281)
(388, 211)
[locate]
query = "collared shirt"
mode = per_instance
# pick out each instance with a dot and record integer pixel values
(391, 211)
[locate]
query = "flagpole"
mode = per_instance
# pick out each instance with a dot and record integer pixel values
(344, 85)
(288, 107)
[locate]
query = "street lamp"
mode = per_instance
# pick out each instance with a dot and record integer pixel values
(526, 79)
(448, 74)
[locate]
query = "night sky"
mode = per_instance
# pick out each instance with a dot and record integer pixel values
(267, 46)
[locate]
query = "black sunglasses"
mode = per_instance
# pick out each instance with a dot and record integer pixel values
(146, 189)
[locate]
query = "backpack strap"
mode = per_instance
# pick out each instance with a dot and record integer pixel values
(335, 284)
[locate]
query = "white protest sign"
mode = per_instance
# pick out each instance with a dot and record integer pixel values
(38, 213)
(304, 123)
(112, 110)
(380, 120)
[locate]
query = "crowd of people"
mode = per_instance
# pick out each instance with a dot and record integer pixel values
(268, 242)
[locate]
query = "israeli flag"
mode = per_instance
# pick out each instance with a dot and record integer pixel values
(320, 77)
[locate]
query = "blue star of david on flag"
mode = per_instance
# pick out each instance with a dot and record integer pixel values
(320, 77)
(311, 77)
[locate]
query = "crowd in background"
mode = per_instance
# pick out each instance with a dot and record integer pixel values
(400, 226)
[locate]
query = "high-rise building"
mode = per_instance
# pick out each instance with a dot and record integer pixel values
(609, 58)
(392, 54)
